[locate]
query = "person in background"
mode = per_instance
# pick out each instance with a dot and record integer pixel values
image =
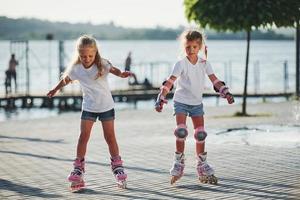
(128, 61)
(7, 83)
(11, 73)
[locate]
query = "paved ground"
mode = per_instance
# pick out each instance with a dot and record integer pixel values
(36, 157)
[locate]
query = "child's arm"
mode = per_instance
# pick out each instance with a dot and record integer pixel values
(164, 90)
(219, 86)
(60, 84)
(118, 72)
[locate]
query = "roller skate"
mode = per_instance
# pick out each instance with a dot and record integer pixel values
(118, 171)
(76, 176)
(205, 172)
(178, 166)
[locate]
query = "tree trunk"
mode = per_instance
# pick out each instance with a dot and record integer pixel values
(246, 75)
(297, 61)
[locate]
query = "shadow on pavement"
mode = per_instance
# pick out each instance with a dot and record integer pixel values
(158, 194)
(25, 190)
(32, 139)
(252, 189)
(157, 171)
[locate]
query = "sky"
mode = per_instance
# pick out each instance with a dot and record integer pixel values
(127, 13)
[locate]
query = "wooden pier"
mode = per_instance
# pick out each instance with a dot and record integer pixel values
(65, 101)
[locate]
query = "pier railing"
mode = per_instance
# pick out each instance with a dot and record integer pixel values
(36, 75)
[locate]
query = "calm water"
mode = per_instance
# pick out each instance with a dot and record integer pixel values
(154, 60)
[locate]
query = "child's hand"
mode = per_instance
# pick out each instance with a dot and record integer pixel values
(125, 74)
(51, 93)
(229, 98)
(159, 106)
(161, 100)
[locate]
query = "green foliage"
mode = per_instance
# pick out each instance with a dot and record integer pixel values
(243, 15)
(237, 15)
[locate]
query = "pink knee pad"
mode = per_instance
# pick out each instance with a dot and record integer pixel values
(181, 132)
(200, 134)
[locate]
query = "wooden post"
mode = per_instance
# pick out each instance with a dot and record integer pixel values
(27, 69)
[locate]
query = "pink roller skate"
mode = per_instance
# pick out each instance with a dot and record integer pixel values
(205, 172)
(178, 166)
(76, 176)
(118, 171)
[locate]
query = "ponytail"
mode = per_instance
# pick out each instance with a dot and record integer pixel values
(205, 52)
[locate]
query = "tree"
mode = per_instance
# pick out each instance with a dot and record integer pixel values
(246, 15)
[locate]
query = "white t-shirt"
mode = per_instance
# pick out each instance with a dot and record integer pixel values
(96, 93)
(190, 80)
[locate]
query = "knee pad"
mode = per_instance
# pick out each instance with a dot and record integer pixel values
(200, 134)
(181, 132)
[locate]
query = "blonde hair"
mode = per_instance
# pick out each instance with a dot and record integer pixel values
(82, 42)
(192, 35)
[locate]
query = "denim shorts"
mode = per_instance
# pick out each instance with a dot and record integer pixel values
(189, 110)
(103, 116)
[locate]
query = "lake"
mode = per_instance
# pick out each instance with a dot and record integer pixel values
(154, 60)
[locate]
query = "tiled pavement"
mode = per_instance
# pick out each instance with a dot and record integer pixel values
(36, 157)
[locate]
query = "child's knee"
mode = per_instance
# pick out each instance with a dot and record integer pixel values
(200, 134)
(181, 132)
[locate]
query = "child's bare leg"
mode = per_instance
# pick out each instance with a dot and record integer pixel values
(76, 176)
(181, 133)
(85, 132)
(110, 138)
(180, 144)
(198, 121)
(205, 171)
(116, 161)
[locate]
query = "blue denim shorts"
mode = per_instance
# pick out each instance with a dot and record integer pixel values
(103, 116)
(189, 110)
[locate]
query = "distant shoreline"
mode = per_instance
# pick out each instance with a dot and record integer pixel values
(36, 29)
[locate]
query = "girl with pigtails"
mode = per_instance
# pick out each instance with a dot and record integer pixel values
(189, 74)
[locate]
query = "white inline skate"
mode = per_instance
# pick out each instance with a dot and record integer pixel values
(205, 172)
(77, 175)
(178, 166)
(118, 171)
